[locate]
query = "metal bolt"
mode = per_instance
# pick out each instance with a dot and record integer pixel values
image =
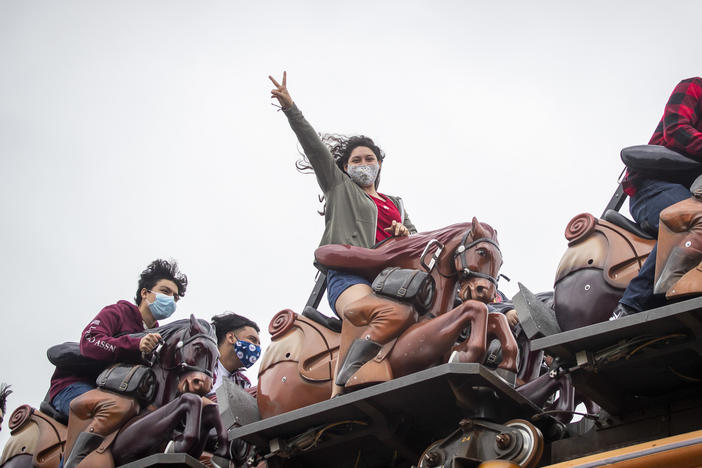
(503, 440)
(587, 287)
(465, 424)
(432, 458)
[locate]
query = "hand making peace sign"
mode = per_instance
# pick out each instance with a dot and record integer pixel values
(281, 92)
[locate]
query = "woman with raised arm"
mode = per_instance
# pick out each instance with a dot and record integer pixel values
(348, 172)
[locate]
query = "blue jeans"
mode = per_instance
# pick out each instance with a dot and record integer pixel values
(338, 282)
(652, 197)
(62, 400)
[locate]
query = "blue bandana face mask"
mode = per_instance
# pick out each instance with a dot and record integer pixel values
(162, 307)
(248, 353)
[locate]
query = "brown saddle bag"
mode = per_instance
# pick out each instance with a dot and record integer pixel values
(133, 380)
(414, 287)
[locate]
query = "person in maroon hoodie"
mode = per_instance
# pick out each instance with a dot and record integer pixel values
(161, 285)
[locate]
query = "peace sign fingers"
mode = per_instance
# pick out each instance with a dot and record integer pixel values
(281, 92)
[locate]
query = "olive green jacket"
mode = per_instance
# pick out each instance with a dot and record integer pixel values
(351, 215)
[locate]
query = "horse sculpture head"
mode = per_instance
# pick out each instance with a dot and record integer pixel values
(477, 261)
(187, 359)
(678, 270)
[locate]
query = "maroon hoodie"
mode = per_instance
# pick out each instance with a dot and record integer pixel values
(99, 341)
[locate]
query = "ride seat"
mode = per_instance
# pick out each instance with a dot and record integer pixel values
(332, 323)
(48, 409)
(623, 222)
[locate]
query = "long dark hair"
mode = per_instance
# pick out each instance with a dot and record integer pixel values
(341, 147)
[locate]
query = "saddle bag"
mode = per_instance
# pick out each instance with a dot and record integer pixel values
(133, 380)
(411, 286)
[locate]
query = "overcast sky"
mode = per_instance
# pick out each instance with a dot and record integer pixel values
(131, 130)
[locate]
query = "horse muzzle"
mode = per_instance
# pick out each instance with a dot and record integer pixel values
(195, 382)
(680, 261)
(478, 289)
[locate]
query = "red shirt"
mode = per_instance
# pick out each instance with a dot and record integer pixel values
(680, 128)
(98, 341)
(387, 213)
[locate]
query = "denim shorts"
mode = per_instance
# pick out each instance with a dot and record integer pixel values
(339, 281)
(62, 400)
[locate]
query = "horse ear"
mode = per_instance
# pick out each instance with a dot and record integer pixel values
(195, 327)
(477, 229)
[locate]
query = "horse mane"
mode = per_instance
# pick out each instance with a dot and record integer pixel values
(167, 330)
(414, 245)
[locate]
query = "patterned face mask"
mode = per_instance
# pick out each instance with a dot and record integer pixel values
(248, 353)
(364, 175)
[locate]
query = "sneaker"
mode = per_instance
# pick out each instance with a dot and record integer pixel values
(622, 310)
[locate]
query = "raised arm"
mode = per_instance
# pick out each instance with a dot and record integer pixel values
(328, 174)
(681, 112)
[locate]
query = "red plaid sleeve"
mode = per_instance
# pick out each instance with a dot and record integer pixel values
(679, 129)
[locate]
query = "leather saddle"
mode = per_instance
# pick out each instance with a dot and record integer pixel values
(331, 323)
(48, 409)
(625, 223)
(616, 245)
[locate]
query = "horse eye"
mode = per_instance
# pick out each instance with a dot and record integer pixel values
(482, 252)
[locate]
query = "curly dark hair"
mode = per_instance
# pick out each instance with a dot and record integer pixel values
(229, 321)
(161, 269)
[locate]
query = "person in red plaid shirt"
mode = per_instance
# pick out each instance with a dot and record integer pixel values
(680, 129)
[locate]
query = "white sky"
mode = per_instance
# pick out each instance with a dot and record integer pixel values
(131, 130)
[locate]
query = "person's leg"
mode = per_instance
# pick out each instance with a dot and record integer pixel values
(645, 207)
(62, 400)
(343, 289)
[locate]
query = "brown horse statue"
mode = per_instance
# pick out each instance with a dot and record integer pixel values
(119, 430)
(297, 369)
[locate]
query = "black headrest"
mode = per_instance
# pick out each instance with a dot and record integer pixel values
(66, 356)
(659, 162)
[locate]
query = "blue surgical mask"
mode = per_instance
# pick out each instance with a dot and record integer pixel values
(162, 307)
(248, 353)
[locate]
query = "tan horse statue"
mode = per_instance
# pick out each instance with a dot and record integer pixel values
(605, 254)
(297, 369)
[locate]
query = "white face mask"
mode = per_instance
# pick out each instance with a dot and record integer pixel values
(363, 175)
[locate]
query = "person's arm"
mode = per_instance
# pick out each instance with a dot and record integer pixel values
(404, 216)
(326, 170)
(678, 118)
(98, 341)
(408, 224)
